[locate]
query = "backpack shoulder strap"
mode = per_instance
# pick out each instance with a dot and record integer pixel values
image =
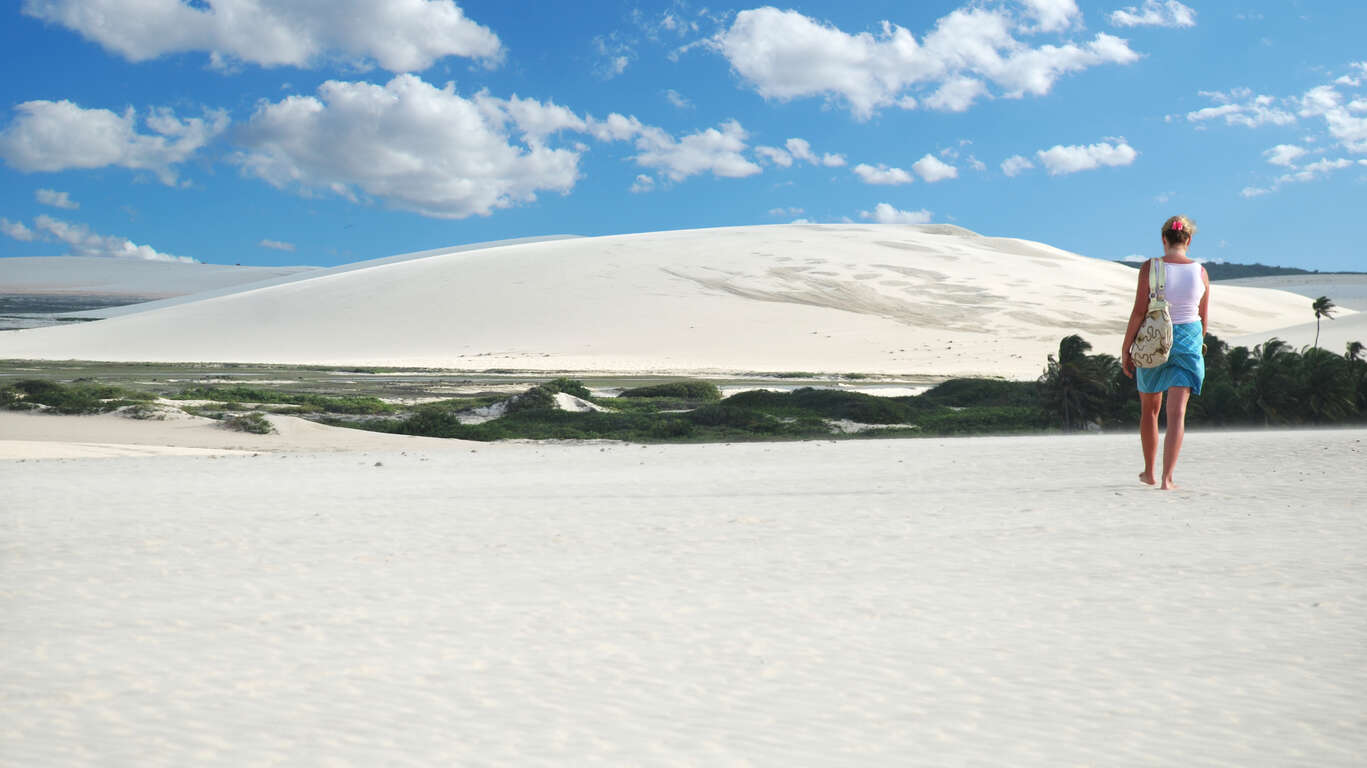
(1157, 285)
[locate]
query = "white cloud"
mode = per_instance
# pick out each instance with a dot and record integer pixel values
(1071, 159)
(1297, 174)
(1346, 128)
(882, 174)
(418, 147)
(1341, 126)
(976, 164)
(56, 199)
(1241, 107)
(793, 211)
(643, 183)
(83, 242)
(1283, 154)
(956, 94)
(17, 230)
(277, 245)
(775, 155)
(884, 213)
(614, 55)
(1016, 164)
(932, 169)
(1135, 258)
(678, 99)
(615, 128)
(1052, 15)
(786, 55)
(1155, 14)
(801, 149)
(713, 150)
(1321, 167)
(398, 35)
(59, 135)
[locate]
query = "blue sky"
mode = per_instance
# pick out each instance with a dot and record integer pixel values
(322, 132)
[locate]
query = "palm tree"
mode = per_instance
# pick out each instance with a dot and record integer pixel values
(1272, 386)
(1355, 350)
(1329, 392)
(1075, 385)
(1323, 308)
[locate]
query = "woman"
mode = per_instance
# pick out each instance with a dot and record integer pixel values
(1187, 290)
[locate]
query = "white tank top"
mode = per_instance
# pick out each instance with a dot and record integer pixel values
(1183, 289)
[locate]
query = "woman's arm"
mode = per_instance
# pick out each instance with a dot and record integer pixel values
(1141, 308)
(1204, 308)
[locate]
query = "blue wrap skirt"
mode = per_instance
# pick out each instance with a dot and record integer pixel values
(1186, 367)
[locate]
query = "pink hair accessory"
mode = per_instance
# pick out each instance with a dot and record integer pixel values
(1177, 225)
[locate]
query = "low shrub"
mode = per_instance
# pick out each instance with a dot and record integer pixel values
(985, 420)
(314, 403)
(569, 387)
(144, 412)
(704, 391)
(733, 416)
(75, 398)
(540, 397)
(825, 403)
(963, 393)
(252, 422)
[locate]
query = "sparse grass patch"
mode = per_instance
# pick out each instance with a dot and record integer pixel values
(143, 412)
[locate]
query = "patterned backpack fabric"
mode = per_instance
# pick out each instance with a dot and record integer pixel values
(1154, 339)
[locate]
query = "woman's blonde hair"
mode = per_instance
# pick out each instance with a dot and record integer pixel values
(1177, 230)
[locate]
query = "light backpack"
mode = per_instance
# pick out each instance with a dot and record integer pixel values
(1154, 339)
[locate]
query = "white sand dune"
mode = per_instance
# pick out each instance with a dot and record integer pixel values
(906, 602)
(933, 300)
(1349, 291)
(131, 277)
(1334, 334)
(286, 275)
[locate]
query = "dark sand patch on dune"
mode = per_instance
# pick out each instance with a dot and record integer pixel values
(813, 289)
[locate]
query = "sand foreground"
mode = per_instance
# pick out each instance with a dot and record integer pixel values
(982, 601)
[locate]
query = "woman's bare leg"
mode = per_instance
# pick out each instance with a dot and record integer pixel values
(1150, 403)
(1177, 429)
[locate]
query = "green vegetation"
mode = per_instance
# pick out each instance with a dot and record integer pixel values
(144, 412)
(684, 390)
(968, 393)
(80, 396)
(753, 415)
(1271, 384)
(311, 402)
(252, 422)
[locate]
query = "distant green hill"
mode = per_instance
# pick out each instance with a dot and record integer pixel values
(1224, 271)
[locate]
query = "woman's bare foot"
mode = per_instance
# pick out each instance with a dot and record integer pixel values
(1168, 485)
(1146, 478)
